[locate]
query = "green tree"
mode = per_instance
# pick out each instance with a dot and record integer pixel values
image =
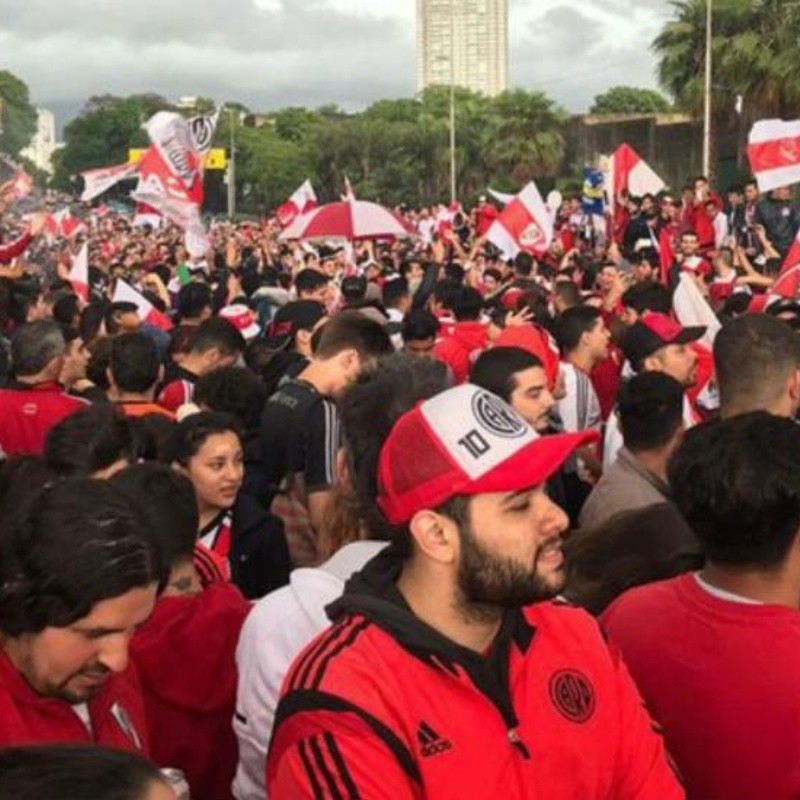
(630, 100)
(18, 117)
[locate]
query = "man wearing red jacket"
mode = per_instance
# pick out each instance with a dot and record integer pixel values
(715, 653)
(185, 651)
(76, 580)
(468, 338)
(35, 402)
(449, 671)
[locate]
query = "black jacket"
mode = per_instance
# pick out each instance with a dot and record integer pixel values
(259, 554)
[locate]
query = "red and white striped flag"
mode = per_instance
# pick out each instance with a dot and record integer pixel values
(125, 293)
(774, 152)
(627, 171)
(526, 223)
(97, 181)
(301, 202)
(79, 274)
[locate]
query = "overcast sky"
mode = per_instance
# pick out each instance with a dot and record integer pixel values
(272, 53)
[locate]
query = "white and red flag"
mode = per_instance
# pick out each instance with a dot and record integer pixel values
(203, 128)
(79, 274)
(62, 224)
(526, 223)
(774, 152)
(301, 202)
(125, 293)
(97, 181)
(627, 171)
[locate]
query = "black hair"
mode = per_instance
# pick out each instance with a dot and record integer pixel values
(354, 288)
(90, 440)
(467, 304)
(370, 408)
(572, 325)
(650, 407)
(648, 255)
(99, 361)
(350, 329)
(754, 355)
(233, 390)
(193, 298)
(495, 369)
(445, 292)
(134, 364)
(112, 310)
(309, 280)
(191, 434)
(454, 272)
(216, 333)
(76, 772)
(648, 296)
(419, 324)
(34, 345)
(523, 264)
(630, 549)
(66, 310)
(394, 291)
(737, 484)
(91, 319)
(568, 293)
(20, 477)
(75, 543)
(168, 499)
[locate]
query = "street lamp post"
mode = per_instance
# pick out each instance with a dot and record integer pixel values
(707, 104)
(453, 187)
(232, 168)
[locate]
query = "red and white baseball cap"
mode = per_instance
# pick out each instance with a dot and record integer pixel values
(654, 331)
(465, 441)
(243, 319)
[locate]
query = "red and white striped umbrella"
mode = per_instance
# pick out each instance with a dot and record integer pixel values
(351, 219)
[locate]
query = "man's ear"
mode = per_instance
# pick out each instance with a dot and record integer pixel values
(435, 536)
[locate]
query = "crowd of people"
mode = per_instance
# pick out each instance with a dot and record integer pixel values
(402, 519)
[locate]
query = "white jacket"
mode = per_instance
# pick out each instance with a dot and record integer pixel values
(276, 630)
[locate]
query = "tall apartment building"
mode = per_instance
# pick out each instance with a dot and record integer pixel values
(465, 41)
(43, 144)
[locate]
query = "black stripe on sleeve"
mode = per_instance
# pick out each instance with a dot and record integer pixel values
(312, 778)
(306, 663)
(355, 631)
(319, 759)
(341, 766)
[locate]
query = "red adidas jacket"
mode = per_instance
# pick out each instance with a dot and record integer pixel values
(185, 657)
(460, 349)
(382, 706)
(116, 713)
(28, 412)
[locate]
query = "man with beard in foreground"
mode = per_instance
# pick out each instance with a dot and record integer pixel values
(450, 671)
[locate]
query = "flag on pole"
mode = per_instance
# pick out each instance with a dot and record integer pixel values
(627, 171)
(125, 293)
(97, 181)
(526, 224)
(301, 202)
(203, 128)
(79, 274)
(774, 152)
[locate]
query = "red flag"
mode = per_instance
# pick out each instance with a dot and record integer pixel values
(79, 274)
(774, 152)
(97, 181)
(627, 170)
(301, 202)
(526, 223)
(125, 293)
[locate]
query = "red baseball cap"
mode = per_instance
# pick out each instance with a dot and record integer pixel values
(464, 441)
(654, 331)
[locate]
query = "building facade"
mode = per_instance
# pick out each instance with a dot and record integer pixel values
(464, 42)
(43, 144)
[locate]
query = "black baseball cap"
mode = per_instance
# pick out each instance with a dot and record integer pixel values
(293, 317)
(654, 331)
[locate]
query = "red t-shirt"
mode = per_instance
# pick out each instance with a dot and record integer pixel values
(722, 678)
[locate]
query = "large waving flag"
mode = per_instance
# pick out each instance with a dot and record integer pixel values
(526, 223)
(627, 170)
(774, 152)
(171, 177)
(203, 128)
(125, 293)
(97, 181)
(301, 202)
(79, 274)
(501, 197)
